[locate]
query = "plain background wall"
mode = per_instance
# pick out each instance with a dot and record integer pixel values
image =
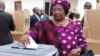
(26, 4)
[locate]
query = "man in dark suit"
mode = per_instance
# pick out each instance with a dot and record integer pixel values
(35, 17)
(6, 25)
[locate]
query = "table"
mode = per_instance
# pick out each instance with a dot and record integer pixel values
(43, 50)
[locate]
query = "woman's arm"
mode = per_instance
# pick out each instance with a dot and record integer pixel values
(82, 44)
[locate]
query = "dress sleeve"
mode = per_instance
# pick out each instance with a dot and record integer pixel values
(32, 32)
(81, 40)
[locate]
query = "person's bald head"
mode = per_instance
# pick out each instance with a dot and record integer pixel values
(36, 10)
(88, 5)
(2, 5)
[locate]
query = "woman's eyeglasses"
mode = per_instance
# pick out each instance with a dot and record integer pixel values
(58, 10)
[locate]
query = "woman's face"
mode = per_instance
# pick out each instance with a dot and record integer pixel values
(58, 12)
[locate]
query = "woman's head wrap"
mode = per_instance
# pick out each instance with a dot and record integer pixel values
(63, 3)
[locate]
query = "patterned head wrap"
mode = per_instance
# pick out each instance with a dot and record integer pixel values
(63, 3)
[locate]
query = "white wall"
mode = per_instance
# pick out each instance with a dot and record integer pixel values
(9, 5)
(26, 4)
(29, 4)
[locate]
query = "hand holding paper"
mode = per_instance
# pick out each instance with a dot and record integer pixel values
(32, 44)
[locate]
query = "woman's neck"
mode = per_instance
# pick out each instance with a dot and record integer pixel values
(63, 22)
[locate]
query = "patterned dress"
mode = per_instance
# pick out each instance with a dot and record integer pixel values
(65, 38)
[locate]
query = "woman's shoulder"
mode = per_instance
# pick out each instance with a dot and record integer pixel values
(46, 22)
(76, 22)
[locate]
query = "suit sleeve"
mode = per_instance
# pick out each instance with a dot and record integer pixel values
(12, 25)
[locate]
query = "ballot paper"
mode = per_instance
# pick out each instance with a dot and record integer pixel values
(32, 45)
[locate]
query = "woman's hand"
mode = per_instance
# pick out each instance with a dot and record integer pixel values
(75, 52)
(25, 40)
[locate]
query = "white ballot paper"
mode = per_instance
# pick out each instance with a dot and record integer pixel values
(32, 44)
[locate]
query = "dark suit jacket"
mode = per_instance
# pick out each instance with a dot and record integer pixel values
(6, 25)
(33, 20)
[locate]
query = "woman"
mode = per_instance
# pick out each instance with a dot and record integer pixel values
(59, 31)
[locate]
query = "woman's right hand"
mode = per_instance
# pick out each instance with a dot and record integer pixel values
(25, 39)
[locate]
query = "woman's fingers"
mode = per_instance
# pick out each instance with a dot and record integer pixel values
(25, 40)
(74, 52)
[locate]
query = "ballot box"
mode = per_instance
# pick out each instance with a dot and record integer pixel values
(42, 50)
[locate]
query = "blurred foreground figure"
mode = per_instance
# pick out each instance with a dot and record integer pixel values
(6, 25)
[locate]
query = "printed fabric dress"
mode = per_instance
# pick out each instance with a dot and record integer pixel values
(64, 38)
